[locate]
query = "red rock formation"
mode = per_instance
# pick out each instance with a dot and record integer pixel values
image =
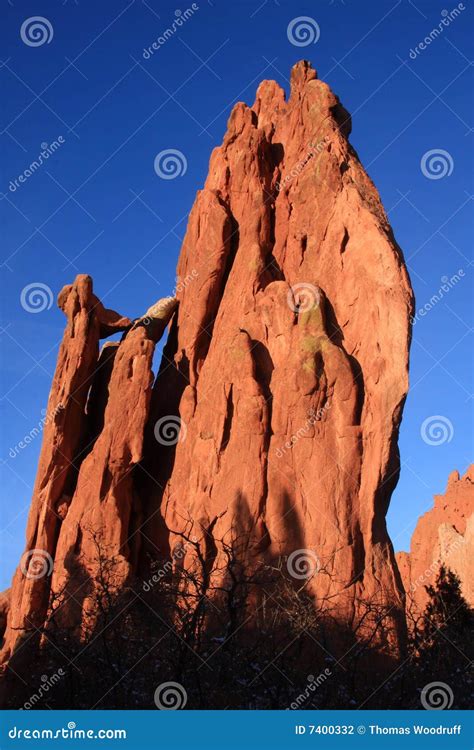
(286, 370)
(444, 535)
(288, 217)
(92, 439)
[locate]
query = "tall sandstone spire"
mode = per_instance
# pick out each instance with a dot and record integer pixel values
(286, 369)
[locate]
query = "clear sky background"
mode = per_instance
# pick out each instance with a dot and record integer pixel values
(97, 205)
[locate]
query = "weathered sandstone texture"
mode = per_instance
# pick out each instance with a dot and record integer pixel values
(84, 506)
(444, 535)
(284, 377)
(290, 352)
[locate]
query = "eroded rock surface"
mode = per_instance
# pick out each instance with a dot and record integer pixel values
(84, 506)
(285, 374)
(290, 351)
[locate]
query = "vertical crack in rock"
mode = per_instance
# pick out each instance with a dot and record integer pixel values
(227, 426)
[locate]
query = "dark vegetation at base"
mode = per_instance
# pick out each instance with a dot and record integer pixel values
(258, 641)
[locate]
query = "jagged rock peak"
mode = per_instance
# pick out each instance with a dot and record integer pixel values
(283, 381)
(444, 535)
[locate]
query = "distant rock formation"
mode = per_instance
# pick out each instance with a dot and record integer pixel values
(444, 535)
(273, 421)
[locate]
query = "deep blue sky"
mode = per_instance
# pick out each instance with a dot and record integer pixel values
(98, 207)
